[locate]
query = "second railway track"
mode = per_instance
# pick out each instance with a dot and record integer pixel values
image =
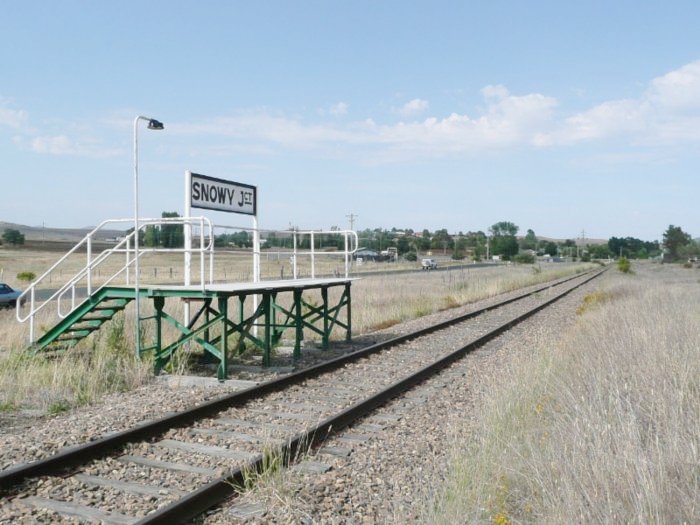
(173, 469)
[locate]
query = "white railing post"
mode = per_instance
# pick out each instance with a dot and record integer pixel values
(187, 263)
(345, 255)
(313, 257)
(89, 265)
(31, 316)
(128, 259)
(211, 253)
(294, 254)
(202, 279)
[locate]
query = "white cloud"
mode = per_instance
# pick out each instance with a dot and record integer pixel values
(414, 107)
(13, 118)
(63, 145)
(677, 90)
(667, 111)
(494, 92)
(339, 109)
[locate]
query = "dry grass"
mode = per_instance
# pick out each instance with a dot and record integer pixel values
(398, 298)
(103, 366)
(602, 428)
(104, 363)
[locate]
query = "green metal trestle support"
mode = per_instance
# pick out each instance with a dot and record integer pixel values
(212, 327)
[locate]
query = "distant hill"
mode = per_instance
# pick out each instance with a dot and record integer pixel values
(40, 233)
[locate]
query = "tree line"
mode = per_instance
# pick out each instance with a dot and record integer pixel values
(501, 240)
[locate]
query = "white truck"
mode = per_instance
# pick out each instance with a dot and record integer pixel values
(390, 254)
(428, 264)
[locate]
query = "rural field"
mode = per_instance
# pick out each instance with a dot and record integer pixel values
(588, 414)
(105, 363)
(601, 425)
(591, 418)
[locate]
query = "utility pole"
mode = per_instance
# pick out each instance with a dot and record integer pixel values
(352, 218)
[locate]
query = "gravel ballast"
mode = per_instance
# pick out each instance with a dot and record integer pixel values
(388, 477)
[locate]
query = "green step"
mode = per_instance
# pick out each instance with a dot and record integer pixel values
(87, 318)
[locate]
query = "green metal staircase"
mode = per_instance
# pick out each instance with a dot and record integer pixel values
(85, 319)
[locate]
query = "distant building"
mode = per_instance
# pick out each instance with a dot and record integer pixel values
(366, 254)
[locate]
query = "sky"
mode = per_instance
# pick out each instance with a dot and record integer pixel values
(568, 118)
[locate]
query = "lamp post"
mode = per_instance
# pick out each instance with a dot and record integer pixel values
(155, 125)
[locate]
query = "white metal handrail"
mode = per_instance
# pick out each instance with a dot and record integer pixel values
(127, 246)
(350, 242)
(124, 246)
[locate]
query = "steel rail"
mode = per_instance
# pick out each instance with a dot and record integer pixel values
(217, 491)
(74, 456)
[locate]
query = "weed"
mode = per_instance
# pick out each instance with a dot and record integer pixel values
(623, 264)
(387, 323)
(58, 407)
(7, 406)
(26, 277)
(270, 467)
(592, 300)
(114, 337)
(451, 302)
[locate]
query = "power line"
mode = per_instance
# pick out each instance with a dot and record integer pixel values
(352, 218)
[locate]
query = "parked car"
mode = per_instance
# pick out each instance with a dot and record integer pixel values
(8, 296)
(428, 264)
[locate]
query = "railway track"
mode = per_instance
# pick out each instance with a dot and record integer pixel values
(175, 468)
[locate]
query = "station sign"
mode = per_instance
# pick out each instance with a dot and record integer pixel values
(210, 193)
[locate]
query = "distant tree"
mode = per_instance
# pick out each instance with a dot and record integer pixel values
(503, 240)
(529, 242)
(632, 248)
(441, 240)
(424, 241)
(690, 250)
(403, 245)
(674, 239)
(551, 248)
(171, 235)
(524, 258)
(598, 251)
(13, 237)
(151, 237)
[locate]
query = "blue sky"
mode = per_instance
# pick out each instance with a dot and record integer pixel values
(557, 116)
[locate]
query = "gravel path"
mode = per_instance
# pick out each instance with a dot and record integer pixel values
(389, 476)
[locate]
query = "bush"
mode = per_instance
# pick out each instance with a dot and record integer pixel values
(623, 264)
(524, 258)
(411, 256)
(26, 277)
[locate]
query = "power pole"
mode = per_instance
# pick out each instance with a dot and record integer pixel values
(352, 218)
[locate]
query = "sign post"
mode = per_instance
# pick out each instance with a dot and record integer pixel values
(209, 193)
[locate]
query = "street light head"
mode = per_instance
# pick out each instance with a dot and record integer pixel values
(155, 124)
